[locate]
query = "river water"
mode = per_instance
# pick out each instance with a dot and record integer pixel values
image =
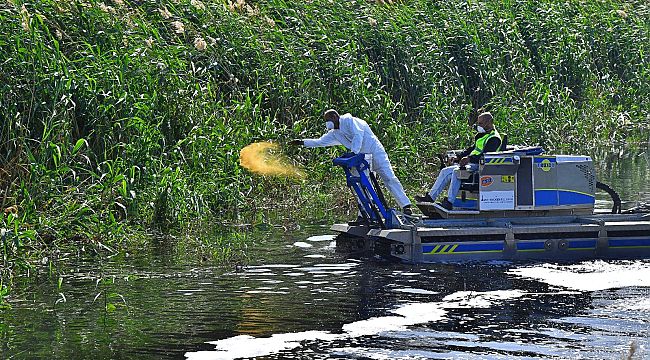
(301, 299)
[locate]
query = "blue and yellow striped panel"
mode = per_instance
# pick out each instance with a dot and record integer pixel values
(582, 245)
(453, 249)
(498, 160)
(531, 246)
(538, 246)
(629, 243)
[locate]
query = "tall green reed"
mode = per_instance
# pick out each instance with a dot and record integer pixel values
(120, 116)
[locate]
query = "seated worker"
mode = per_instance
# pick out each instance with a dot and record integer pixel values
(356, 135)
(486, 140)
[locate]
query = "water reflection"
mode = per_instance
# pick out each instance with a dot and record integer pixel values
(467, 311)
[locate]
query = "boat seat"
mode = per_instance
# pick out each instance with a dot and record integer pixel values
(468, 180)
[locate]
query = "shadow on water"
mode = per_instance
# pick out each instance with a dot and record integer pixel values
(300, 299)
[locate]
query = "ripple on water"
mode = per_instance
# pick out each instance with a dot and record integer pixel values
(272, 266)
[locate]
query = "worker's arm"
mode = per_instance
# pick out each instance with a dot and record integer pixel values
(466, 152)
(328, 139)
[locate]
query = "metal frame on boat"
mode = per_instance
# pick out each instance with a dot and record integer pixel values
(520, 211)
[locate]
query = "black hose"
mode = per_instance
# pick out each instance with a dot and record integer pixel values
(616, 209)
(378, 190)
(373, 207)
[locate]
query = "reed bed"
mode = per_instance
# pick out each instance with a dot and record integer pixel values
(121, 118)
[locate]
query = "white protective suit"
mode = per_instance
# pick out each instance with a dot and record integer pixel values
(355, 134)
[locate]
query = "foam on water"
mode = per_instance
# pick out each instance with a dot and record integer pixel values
(471, 299)
(246, 346)
(404, 316)
(409, 314)
(591, 275)
(415, 291)
(318, 238)
(636, 304)
(302, 244)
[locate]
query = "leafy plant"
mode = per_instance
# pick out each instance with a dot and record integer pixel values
(122, 117)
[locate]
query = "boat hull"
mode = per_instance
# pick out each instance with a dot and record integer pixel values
(561, 238)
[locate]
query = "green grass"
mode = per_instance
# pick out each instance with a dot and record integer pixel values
(115, 123)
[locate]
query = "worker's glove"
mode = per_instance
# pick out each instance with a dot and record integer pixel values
(297, 142)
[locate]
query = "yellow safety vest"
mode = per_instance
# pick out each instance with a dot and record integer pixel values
(480, 143)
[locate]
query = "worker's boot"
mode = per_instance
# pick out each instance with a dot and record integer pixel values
(425, 198)
(447, 204)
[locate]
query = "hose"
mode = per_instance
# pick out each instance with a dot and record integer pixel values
(373, 207)
(380, 192)
(616, 208)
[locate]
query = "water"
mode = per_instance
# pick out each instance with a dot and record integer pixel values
(300, 299)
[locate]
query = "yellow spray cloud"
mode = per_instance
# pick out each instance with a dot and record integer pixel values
(262, 158)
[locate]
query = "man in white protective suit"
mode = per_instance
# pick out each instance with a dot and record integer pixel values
(356, 135)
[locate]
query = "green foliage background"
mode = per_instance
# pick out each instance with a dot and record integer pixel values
(113, 120)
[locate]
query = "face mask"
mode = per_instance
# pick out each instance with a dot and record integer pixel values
(480, 129)
(329, 125)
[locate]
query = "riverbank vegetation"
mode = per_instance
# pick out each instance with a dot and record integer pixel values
(121, 119)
